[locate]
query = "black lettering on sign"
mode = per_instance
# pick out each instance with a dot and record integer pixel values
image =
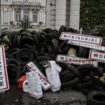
(86, 39)
(100, 56)
(0, 66)
(69, 36)
(82, 38)
(76, 37)
(79, 38)
(96, 40)
(1, 73)
(1, 83)
(62, 58)
(66, 59)
(41, 78)
(92, 40)
(45, 83)
(69, 59)
(95, 55)
(65, 36)
(73, 37)
(1, 78)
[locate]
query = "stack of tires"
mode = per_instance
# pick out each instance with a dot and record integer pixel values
(24, 46)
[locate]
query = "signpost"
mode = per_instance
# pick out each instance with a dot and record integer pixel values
(87, 45)
(4, 83)
(81, 38)
(97, 55)
(75, 60)
(44, 82)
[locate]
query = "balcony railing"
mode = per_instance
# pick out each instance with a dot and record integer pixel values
(29, 3)
(26, 3)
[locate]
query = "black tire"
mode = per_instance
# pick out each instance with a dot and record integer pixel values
(14, 62)
(84, 84)
(13, 53)
(70, 83)
(26, 40)
(62, 29)
(82, 52)
(13, 73)
(55, 45)
(86, 69)
(43, 58)
(47, 30)
(26, 55)
(66, 29)
(73, 70)
(96, 98)
(66, 75)
(68, 79)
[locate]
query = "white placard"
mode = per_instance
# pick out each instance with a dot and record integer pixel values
(98, 56)
(75, 60)
(87, 45)
(44, 82)
(81, 38)
(4, 83)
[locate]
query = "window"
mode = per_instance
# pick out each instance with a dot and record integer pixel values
(18, 19)
(26, 12)
(35, 16)
(5, 23)
(5, 16)
(18, 15)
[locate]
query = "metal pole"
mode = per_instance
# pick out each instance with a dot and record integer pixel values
(46, 14)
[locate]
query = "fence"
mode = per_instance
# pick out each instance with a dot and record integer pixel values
(14, 12)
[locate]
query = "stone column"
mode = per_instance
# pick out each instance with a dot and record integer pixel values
(22, 14)
(48, 14)
(74, 14)
(60, 13)
(31, 15)
(13, 14)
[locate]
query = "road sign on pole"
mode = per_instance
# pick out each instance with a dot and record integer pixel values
(4, 83)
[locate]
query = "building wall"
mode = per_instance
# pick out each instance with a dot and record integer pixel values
(52, 13)
(66, 12)
(60, 13)
(74, 14)
(9, 8)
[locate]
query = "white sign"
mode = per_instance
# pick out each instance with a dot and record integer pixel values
(81, 38)
(75, 60)
(87, 45)
(96, 55)
(4, 83)
(44, 82)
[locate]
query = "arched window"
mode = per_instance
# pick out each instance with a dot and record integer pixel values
(18, 15)
(5, 16)
(35, 16)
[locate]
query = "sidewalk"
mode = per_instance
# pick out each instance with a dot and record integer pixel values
(65, 97)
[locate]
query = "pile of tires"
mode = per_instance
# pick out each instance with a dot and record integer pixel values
(24, 46)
